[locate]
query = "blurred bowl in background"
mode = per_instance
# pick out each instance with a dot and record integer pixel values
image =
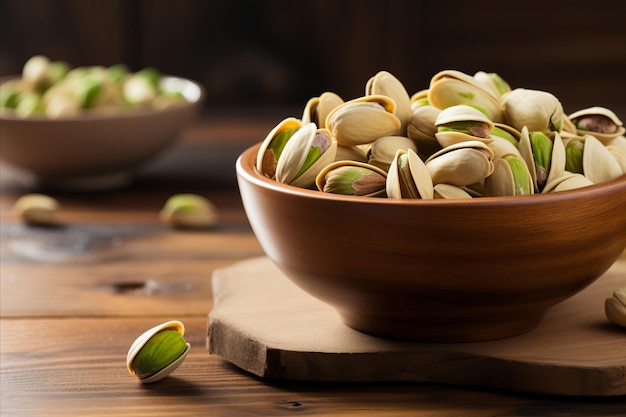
(96, 150)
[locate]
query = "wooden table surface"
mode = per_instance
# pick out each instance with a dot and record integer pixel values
(74, 298)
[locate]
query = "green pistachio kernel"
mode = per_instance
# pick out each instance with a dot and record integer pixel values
(542, 155)
(496, 131)
(88, 91)
(574, 155)
(161, 350)
(520, 175)
(353, 180)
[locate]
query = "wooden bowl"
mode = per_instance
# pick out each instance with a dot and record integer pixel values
(95, 149)
(437, 270)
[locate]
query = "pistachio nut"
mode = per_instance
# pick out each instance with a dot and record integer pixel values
(317, 108)
(568, 181)
(615, 307)
(462, 123)
(449, 88)
(383, 150)
(352, 178)
(599, 122)
(36, 209)
(544, 156)
(538, 111)
(363, 120)
(305, 154)
(386, 84)
(408, 177)
(463, 163)
(189, 211)
(273, 145)
(422, 130)
(157, 352)
(510, 177)
(497, 84)
(588, 156)
(449, 191)
(419, 99)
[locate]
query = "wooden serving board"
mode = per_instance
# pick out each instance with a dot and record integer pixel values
(264, 324)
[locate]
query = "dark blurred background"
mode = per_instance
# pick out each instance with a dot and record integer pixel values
(263, 54)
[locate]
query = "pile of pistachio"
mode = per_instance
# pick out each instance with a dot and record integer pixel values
(464, 136)
(54, 89)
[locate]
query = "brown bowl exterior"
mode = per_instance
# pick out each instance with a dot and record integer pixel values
(93, 143)
(437, 270)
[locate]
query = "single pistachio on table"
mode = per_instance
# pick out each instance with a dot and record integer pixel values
(189, 211)
(589, 157)
(36, 209)
(352, 178)
(615, 307)
(538, 111)
(157, 352)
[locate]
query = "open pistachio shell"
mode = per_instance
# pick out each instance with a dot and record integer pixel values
(352, 178)
(386, 84)
(449, 191)
(449, 88)
(363, 120)
(422, 130)
(598, 121)
(537, 110)
(351, 153)
(461, 123)
(461, 164)
(143, 340)
(419, 99)
(305, 154)
(553, 157)
(568, 181)
(273, 145)
(496, 83)
(317, 108)
(501, 146)
(599, 164)
(408, 177)
(510, 177)
(36, 209)
(383, 150)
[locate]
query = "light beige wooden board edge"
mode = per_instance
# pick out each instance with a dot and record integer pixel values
(266, 325)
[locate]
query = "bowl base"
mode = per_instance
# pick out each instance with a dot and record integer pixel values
(452, 331)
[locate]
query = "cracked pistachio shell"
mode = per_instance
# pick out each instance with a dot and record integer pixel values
(317, 108)
(36, 209)
(449, 192)
(383, 150)
(408, 177)
(510, 177)
(615, 307)
(352, 178)
(568, 181)
(496, 83)
(305, 154)
(450, 87)
(461, 123)
(419, 99)
(422, 130)
(363, 120)
(544, 157)
(537, 110)
(599, 164)
(189, 211)
(461, 164)
(598, 121)
(272, 146)
(157, 352)
(386, 84)
(501, 146)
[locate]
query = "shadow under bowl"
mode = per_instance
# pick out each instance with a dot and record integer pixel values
(437, 270)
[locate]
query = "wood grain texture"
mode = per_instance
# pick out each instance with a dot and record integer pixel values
(279, 331)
